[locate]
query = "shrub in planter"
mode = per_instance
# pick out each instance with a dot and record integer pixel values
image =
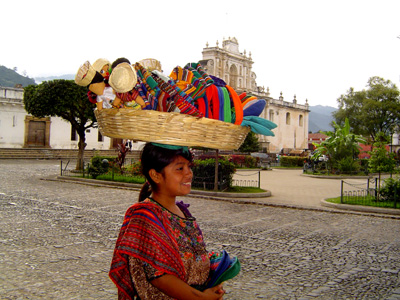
(99, 165)
(134, 169)
(247, 161)
(391, 189)
(292, 161)
(204, 173)
(348, 165)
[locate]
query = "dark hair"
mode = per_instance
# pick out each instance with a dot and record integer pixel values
(157, 158)
(97, 78)
(118, 61)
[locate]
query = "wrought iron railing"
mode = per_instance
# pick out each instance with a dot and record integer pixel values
(367, 193)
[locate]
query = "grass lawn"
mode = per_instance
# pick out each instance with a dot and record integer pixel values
(243, 189)
(122, 178)
(364, 201)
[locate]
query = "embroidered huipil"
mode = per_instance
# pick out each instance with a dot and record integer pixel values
(153, 242)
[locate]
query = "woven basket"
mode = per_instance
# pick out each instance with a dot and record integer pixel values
(170, 128)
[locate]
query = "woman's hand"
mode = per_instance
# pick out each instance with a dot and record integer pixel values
(178, 289)
(216, 292)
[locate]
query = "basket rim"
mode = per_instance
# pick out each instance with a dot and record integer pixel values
(190, 131)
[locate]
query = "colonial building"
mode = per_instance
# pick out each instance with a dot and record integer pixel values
(20, 130)
(235, 68)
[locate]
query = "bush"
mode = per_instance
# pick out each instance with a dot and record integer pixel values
(99, 165)
(391, 189)
(292, 161)
(204, 173)
(135, 169)
(348, 165)
(247, 161)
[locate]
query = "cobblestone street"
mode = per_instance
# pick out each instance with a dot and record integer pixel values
(57, 239)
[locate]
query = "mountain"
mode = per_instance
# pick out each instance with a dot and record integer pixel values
(66, 76)
(10, 78)
(320, 118)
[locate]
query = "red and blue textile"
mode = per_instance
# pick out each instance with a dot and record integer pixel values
(145, 235)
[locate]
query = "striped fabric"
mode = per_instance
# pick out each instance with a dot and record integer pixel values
(144, 236)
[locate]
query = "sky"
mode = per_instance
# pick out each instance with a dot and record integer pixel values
(313, 49)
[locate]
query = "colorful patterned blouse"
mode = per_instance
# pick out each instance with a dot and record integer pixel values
(186, 234)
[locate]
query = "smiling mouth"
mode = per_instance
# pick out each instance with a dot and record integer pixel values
(188, 183)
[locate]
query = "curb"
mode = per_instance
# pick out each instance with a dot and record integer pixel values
(363, 209)
(247, 198)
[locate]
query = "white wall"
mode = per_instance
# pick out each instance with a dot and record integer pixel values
(60, 137)
(12, 125)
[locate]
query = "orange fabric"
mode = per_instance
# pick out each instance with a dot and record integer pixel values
(248, 100)
(237, 104)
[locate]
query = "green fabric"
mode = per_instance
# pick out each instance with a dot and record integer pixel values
(257, 128)
(233, 270)
(151, 82)
(185, 149)
(264, 122)
(227, 106)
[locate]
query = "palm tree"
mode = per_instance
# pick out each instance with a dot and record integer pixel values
(341, 147)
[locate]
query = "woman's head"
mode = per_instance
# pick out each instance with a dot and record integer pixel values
(155, 158)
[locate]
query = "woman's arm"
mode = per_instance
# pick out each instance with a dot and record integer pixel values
(178, 289)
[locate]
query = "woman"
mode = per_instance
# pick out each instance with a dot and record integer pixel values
(160, 252)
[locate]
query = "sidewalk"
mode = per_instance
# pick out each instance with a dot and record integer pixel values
(289, 187)
(285, 188)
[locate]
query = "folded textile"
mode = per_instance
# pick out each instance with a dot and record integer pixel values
(222, 268)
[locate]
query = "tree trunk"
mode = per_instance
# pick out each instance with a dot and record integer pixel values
(216, 170)
(82, 146)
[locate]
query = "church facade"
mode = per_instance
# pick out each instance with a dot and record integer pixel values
(235, 68)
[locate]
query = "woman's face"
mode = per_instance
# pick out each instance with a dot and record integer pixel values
(177, 177)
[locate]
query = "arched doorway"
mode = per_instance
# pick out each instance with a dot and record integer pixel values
(233, 75)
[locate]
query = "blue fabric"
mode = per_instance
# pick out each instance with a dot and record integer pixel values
(254, 107)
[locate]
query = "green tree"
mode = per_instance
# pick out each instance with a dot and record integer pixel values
(381, 159)
(64, 99)
(341, 147)
(250, 144)
(372, 110)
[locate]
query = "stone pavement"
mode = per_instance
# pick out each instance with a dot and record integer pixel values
(57, 238)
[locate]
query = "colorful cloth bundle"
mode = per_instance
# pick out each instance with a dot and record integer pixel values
(222, 268)
(189, 90)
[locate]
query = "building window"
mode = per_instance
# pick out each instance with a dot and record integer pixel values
(287, 118)
(271, 115)
(73, 134)
(100, 137)
(301, 121)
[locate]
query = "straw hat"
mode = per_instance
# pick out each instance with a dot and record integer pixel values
(100, 63)
(85, 74)
(151, 64)
(123, 78)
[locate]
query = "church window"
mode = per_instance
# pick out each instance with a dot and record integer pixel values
(287, 118)
(301, 121)
(271, 115)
